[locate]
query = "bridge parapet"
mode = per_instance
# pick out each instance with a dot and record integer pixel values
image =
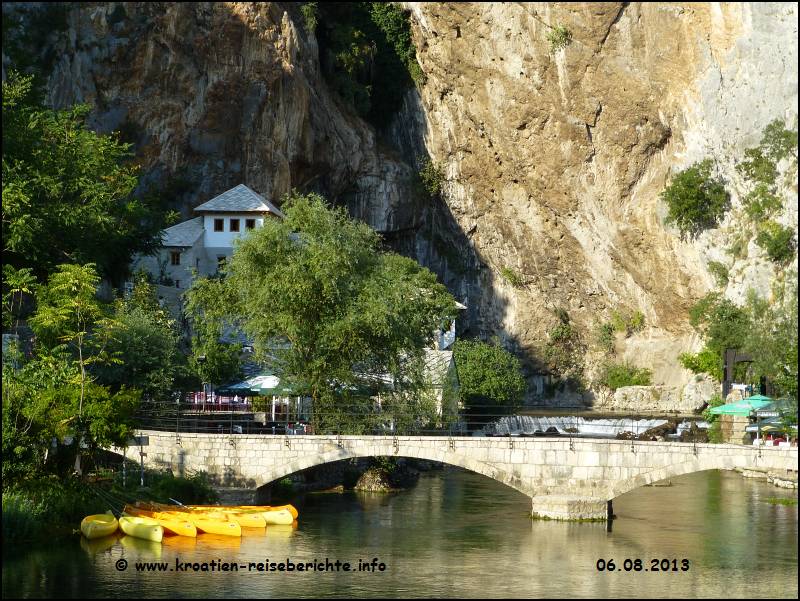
(565, 478)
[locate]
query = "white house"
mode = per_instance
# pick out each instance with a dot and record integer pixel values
(201, 244)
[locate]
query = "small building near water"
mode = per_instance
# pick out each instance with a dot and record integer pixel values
(201, 245)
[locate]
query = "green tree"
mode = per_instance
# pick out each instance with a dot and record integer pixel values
(325, 307)
(696, 201)
(67, 310)
(209, 305)
(45, 400)
(772, 340)
(367, 55)
(68, 191)
(490, 380)
(147, 345)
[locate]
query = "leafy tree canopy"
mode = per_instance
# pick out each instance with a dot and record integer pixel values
(325, 306)
(696, 200)
(68, 191)
(147, 344)
(490, 379)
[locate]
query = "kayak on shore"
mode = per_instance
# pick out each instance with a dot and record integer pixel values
(99, 525)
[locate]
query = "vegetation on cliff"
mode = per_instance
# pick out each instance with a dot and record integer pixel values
(367, 54)
(768, 331)
(617, 375)
(696, 200)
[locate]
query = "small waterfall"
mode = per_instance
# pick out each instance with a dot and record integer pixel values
(527, 425)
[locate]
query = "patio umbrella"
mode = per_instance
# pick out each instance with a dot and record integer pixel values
(743, 407)
(758, 397)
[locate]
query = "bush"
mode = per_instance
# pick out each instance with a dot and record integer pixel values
(511, 276)
(715, 432)
(629, 323)
(605, 337)
(431, 179)
(777, 241)
(704, 362)
(711, 418)
(696, 201)
(778, 142)
(564, 353)
(617, 375)
(760, 203)
(193, 489)
(47, 507)
(310, 11)
(720, 273)
(559, 37)
(757, 167)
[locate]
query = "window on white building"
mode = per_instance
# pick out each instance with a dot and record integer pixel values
(234, 225)
(219, 225)
(175, 257)
(249, 224)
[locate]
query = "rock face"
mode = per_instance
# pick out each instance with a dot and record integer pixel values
(660, 399)
(553, 159)
(225, 93)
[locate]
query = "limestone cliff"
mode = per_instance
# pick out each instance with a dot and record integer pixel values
(553, 159)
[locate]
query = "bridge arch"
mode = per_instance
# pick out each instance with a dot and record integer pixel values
(454, 459)
(698, 464)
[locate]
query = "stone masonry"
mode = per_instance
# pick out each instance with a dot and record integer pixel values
(566, 479)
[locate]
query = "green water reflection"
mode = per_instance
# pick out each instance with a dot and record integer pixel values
(459, 534)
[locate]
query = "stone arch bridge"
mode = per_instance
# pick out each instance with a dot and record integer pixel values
(565, 478)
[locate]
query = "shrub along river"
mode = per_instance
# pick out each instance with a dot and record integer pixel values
(455, 534)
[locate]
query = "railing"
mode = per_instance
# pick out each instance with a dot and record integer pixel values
(486, 421)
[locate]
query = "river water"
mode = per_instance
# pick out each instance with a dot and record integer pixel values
(459, 534)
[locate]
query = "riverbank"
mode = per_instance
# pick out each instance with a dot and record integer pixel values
(50, 508)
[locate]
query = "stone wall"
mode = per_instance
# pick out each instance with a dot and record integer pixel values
(555, 473)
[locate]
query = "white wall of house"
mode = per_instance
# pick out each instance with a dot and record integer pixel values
(225, 238)
(161, 267)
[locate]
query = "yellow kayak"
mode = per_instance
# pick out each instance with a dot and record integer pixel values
(245, 508)
(281, 517)
(171, 524)
(245, 520)
(99, 525)
(207, 524)
(141, 527)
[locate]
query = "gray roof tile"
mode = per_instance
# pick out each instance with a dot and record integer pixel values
(185, 233)
(239, 199)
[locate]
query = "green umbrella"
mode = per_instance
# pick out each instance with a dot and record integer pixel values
(758, 397)
(743, 407)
